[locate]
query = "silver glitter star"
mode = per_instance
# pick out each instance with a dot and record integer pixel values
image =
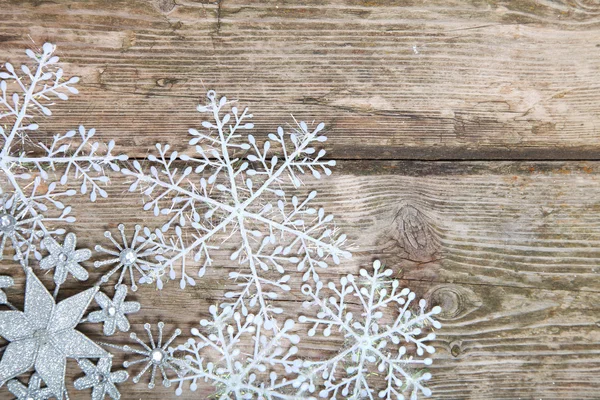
(155, 355)
(100, 379)
(44, 335)
(113, 311)
(128, 257)
(65, 259)
(5, 281)
(33, 391)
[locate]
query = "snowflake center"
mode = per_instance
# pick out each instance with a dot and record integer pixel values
(7, 223)
(128, 257)
(157, 356)
(63, 257)
(101, 378)
(111, 311)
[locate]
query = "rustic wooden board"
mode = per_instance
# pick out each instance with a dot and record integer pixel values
(394, 80)
(511, 250)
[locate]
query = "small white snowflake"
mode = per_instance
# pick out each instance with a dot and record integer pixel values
(372, 336)
(130, 257)
(156, 355)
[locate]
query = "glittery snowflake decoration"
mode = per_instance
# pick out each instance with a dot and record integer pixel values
(374, 337)
(155, 356)
(100, 378)
(231, 185)
(135, 257)
(45, 334)
(26, 94)
(217, 355)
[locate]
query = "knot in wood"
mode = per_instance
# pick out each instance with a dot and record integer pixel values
(456, 301)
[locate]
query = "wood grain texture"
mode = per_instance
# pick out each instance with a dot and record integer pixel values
(394, 80)
(510, 249)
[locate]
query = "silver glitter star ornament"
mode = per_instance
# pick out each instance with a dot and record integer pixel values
(100, 379)
(44, 335)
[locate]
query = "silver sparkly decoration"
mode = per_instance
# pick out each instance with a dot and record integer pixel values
(155, 355)
(113, 311)
(14, 227)
(129, 257)
(100, 378)
(65, 259)
(5, 281)
(44, 335)
(34, 391)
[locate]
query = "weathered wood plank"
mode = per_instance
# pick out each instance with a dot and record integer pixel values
(393, 80)
(510, 250)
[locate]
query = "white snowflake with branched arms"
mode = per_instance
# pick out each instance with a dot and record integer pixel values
(25, 94)
(373, 337)
(233, 185)
(218, 357)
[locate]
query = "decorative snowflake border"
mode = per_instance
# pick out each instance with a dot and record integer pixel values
(25, 93)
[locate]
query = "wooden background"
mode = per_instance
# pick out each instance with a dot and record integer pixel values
(475, 123)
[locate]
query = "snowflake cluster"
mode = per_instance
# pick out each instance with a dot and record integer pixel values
(45, 334)
(32, 202)
(227, 191)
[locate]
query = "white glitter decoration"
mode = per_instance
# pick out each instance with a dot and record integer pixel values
(100, 378)
(113, 311)
(33, 391)
(26, 94)
(136, 255)
(44, 335)
(371, 338)
(234, 373)
(219, 191)
(156, 355)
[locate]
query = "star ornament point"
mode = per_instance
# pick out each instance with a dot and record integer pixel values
(43, 336)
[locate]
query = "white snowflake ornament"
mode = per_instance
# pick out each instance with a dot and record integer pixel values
(231, 184)
(26, 94)
(234, 373)
(156, 355)
(380, 334)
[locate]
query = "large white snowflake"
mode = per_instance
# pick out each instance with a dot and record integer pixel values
(218, 355)
(374, 338)
(25, 94)
(232, 185)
